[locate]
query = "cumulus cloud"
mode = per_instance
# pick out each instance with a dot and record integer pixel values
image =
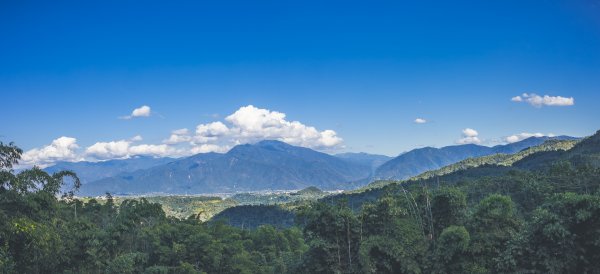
(210, 132)
(109, 150)
(152, 150)
(250, 124)
(124, 149)
(143, 111)
(469, 136)
(181, 131)
(178, 136)
(206, 148)
(522, 136)
(420, 121)
(137, 138)
(469, 132)
(546, 100)
(61, 149)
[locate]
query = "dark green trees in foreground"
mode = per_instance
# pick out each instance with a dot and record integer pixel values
(560, 236)
(521, 221)
(42, 234)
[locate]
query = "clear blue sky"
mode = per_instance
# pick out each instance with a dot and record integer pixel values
(365, 69)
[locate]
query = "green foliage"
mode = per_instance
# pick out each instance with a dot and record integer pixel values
(333, 234)
(127, 263)
(567, 224)
(9, 155)
(452, 250)
(493, 224)
(253, 216)
(393, 241)
(449, 207)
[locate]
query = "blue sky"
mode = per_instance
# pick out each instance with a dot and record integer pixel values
(363, 70)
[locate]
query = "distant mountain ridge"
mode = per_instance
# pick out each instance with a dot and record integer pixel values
(270, 165)
(266, 165)
(421, 160)
(372, 160)
(92, 171)
(499, 159)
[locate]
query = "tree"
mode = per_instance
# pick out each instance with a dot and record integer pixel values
(333, 233)
(448, 207)
(393, 241)
(9, 155)
(493, 224)
(451, 250)
(566, 224)
(127, 263)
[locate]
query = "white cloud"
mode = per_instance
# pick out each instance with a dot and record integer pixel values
(109, 150)
(181, 131)
(205, 148)
(143, 111)
(469, 136)
(152, 150)
(546, 100)
(124, 149)
(250, 124)
(178, 136)
(210, 132)
(523, 136)
(137, 138)
(420, 121)
(329, 138)
(469, 132)
(61, 149)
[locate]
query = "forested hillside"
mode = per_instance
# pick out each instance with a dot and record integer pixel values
(539, 215)
(425, 159)
(500, 159)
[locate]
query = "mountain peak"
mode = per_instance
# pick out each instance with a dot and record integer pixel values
(272, 143)
(262, 145)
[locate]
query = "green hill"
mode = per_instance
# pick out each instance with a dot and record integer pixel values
(499, 159)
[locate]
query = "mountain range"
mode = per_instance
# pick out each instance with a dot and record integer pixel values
(92, 171)
(269, 165)
(266, 165)
(361, 158)
(425, 159)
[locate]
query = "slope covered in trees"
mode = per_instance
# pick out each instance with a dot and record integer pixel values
(421, 160)
(539, 215)
(500, 159)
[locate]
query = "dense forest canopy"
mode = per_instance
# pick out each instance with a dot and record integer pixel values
(541, 214)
